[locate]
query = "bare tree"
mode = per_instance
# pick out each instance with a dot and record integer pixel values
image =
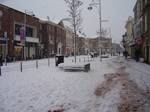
(75, 16)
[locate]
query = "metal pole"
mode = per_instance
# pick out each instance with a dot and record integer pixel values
(100, 29)
(0, 71)
(74, 33)
(6, 44)
(21, 66)
(37, 64)
(48, 62)
(24, 50)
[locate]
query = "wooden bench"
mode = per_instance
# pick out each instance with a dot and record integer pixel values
(75, 67)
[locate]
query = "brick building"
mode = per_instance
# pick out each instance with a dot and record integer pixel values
(53, 38)
(48, 37)
(69, 41)
(60, 41)
(81, 50)
(11, 23)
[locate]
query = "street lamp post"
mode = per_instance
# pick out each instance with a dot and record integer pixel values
(23, 35)
(100, 23)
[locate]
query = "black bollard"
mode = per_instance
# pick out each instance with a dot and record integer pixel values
(21, 66)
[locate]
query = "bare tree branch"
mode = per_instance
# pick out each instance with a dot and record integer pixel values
(75, 15)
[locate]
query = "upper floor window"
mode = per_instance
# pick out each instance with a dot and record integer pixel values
(1, 14)
(145, 22)
(146, 2)
(0, 24)
(29, 30)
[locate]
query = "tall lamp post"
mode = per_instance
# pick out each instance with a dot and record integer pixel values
(23, 33)
(100, 22)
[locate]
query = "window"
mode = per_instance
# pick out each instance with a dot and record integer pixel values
(0, 24)
(145, 22)
(29, 32)
(49, 37)
(1, 14)
(146, 2)
(17, 29)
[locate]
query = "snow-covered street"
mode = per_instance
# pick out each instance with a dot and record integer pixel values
(49, 88)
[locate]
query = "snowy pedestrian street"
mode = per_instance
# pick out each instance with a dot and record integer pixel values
(51, 89)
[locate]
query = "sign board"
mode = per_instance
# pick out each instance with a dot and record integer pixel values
(22, 35)
(3, 40)
(5, 34)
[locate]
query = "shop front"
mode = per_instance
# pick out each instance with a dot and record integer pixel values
(3, 47)
(147, 50)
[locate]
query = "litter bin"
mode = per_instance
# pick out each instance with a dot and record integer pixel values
(59, 59)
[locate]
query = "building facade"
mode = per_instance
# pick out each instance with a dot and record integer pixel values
(146, 29)
(69, 41)
(48, 35)
(142, 28)
(105, 45)
(53, 38)
(14, 43)
(98, 45)
(130, 36)
(81, 46)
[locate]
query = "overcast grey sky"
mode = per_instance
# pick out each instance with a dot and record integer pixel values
(115, 11)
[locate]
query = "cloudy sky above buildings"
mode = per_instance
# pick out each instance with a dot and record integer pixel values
(115, 11)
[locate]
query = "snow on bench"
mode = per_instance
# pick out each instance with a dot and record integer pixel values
(75, 66)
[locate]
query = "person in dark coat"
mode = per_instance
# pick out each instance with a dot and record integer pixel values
(1, 60)
(137, 55)
(125, 54)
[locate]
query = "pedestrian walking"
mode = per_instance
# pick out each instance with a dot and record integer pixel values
(1, 60)
(137, 55)
(1, 63)
(126, 54)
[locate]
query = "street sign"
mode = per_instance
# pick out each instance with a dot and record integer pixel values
(5, 34)
(4, 39)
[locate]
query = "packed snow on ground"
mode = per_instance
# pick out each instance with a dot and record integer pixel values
(50, 88)
(46, 87)
(139, 73)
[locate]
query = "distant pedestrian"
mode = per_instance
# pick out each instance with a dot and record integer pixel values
(1, 60)
(137, 55)
(126, 54)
